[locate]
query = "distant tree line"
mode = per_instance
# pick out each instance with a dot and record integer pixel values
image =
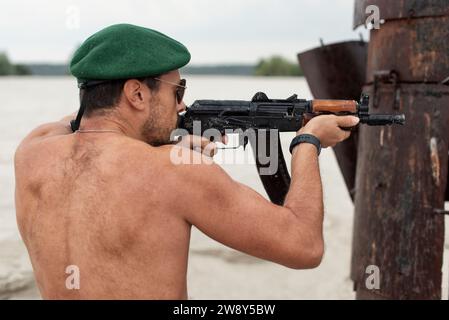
(277, 66)
(272, 66)
(7, 68)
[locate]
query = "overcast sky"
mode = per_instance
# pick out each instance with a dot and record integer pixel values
(225, 31)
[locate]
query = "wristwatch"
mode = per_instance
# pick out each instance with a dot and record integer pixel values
(306, 138)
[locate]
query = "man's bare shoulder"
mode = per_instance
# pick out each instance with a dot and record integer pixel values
(36, 135)
(50, 129)
(43, 131)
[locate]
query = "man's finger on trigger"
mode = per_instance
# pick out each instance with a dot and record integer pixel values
(205, 142)
(224, 139)
(210, 149)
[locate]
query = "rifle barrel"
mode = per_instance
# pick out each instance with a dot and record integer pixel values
(383, 119)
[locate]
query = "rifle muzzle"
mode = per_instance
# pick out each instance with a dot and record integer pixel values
(383, 119)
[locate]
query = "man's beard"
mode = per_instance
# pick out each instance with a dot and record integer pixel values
(155, 134)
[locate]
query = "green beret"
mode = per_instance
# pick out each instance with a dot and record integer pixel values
(125, 51)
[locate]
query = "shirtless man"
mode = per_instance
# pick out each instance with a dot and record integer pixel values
(109, 200)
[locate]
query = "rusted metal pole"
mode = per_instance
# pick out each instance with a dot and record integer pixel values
(402, 172)
(337, 71)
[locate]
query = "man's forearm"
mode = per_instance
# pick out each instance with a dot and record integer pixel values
(305, 196)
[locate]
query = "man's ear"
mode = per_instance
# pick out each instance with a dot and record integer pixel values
(135, 92)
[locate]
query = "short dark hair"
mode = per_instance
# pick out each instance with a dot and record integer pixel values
(104, 96)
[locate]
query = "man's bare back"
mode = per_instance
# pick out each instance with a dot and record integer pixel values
(99, 201)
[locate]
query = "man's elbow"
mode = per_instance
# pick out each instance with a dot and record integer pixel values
(305, 248)
(302, 254)
(314, 256)
(307, 258)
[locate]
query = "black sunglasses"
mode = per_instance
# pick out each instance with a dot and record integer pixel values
(180, 90)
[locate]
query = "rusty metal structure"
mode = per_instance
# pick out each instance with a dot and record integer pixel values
(337, 71)
(401, 174)
(398, 176)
